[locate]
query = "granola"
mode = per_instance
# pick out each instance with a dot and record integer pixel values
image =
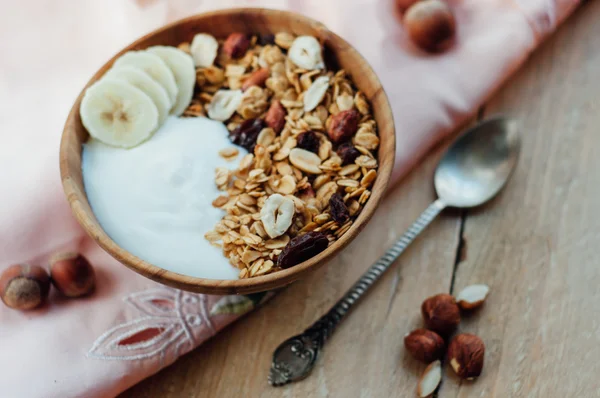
(312, 143)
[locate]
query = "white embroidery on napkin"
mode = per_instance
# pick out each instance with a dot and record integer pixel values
(169, 318)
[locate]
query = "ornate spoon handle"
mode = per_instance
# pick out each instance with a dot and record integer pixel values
(295, 357)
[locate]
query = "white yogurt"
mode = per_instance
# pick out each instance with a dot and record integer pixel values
(155, 200)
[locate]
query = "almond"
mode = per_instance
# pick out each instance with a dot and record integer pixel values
(236, 45)
(472, 296)
(275, 117)
(430, 380)
(441, 313)
(257, 78)
(465, 353)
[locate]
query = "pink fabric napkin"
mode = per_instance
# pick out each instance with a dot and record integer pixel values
(131, 327)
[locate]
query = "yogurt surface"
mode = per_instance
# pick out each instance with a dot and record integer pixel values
(155, 200)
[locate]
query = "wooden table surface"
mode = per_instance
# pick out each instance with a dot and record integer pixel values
(536, 245)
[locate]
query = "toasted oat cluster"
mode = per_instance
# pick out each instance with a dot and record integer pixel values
(311, 141)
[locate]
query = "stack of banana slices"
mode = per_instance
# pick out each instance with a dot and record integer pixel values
(132, 100)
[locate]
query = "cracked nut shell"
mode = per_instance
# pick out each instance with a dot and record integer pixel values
(441, 313)
(465, 354)
(425, 345)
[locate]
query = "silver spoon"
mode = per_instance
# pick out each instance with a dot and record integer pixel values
(473, 170)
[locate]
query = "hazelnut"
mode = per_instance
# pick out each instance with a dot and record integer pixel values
(24, 287)
(472, 296)
(424, 345)
(465, 353)
(236, 45)
(441, 313)
(430, 24)
(403, 5)
(72, 274)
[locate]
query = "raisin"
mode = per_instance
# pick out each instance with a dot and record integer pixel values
(348, 153)
(301, 248)
(343, 125)
(265, 39)
(245, 134)
(309, 141)
(337, 208)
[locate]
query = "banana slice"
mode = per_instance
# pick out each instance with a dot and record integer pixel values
(182, 66)
(118, 113)
(140, 79)
(153, 65)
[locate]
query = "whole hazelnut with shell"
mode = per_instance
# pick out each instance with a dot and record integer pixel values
(72, 274)
(430, 24)
(441, 313)
(465, 354)
(425, 345)
(24, 287)
(403, 5)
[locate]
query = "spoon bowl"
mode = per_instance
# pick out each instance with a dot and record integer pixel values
(478, 164)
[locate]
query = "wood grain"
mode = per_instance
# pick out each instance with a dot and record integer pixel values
(536, 246)
(220, 24)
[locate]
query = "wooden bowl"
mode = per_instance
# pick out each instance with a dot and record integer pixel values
(220, 24)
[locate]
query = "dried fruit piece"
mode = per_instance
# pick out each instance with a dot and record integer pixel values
(430, 24)
(306, 161)
(301, 248)
(24, 287)
(424, 345)
(223, 104)
(277, 214)
(343, 125)
(441, 313)
(348, 153)
(337, 207)
(275, 117)
(430, 380)
(204, 50)
(257, 78)
(308, 140)
(236, 45)
(472, 296)
(465, 353)
(246, 134)
(306, 53)
(266, 39)
(315, 93)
